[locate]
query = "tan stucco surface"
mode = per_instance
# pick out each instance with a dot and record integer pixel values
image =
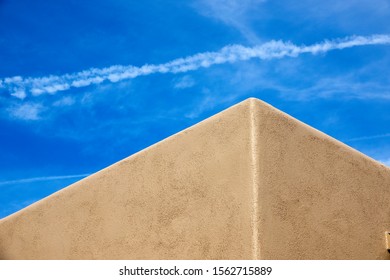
(248, 183)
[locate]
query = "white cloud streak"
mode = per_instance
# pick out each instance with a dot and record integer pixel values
(39, 179)
(20, 87)
(371, 137)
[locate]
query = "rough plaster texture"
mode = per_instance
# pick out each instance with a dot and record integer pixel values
(248, 183)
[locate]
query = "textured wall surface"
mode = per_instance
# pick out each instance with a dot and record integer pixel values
(187, 197)
(317, 198)
(249, 182)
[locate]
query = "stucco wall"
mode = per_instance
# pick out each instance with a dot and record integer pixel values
(250, 182)
(186, 197)
(317, 198)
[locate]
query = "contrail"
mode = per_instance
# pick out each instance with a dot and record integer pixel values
(363, 138)
(38, 179)
(20, 87)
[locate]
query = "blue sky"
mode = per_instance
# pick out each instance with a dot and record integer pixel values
(84, 84)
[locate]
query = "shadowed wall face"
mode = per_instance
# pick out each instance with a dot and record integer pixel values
(250, 182)
(318, 198)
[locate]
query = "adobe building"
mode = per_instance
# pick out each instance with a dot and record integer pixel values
(248, 183)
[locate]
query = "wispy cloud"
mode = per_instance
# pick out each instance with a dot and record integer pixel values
(20, 87)
(26, 111)
(209, 100)
(341, 86)
(38, 179)
(370, 137)
(234, 13)
(66, 101)
(184, 82)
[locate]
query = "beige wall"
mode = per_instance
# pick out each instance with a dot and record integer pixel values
(186, 197)
(250, 182)
(317, 198)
